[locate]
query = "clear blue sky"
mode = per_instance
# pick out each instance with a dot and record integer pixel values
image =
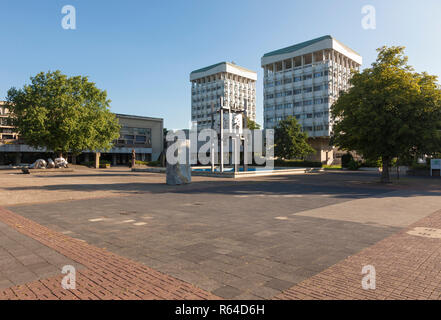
(142, 52)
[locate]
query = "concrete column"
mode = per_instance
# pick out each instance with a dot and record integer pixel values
(17, 159)
(133, 158)
(97, 159)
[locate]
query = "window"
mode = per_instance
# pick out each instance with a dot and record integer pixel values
(278, 82)
(287, 80)
(307, 102)
(318, 74)
(297, 79)
(309, 115)
(318, 88)
(288, 93)
(297, 91)
(307, 76)
(318, 128)
(308, 89)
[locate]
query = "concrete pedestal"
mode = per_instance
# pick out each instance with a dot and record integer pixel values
(97, 160)
(178, 173)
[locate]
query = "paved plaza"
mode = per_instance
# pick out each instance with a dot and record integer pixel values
(283, 237)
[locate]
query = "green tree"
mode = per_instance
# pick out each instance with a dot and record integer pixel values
(63, 114)
(390, 111)
(289, 140)
(252, 125)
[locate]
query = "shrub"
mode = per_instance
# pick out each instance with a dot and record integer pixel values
(297, 163)
(353, 165)
(346, 159)
(92, 163)
(372, 163)
(148, 163)
(419, 166)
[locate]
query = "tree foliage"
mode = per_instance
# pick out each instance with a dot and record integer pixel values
(252, 125)
(390, 111)
(63, 114)
(289, 140)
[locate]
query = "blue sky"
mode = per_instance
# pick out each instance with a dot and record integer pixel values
(142, 52)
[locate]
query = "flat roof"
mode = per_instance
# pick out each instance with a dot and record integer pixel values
(221, 63)
(129, 116)
(302, 45)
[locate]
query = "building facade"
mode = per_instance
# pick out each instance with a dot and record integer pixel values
(143, 134)
(7, 132)
(303, 81)
(228, 81)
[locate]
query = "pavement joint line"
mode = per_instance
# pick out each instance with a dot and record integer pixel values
(397, 276)
(101, 267)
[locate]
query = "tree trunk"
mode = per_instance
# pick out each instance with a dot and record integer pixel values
(385, 177)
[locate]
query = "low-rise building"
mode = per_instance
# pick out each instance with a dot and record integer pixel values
(142, 134)
(7, 132)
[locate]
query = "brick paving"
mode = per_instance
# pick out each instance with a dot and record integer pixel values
(105, 276)
(407, 267)
(253, 251)
(281, 241)
(23, 259)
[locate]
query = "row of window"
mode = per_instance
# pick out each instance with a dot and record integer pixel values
(299, 116)
(231, 87)
(297, 104)
(297, 91)
(319, 127)
(230, 96)
(308, 76)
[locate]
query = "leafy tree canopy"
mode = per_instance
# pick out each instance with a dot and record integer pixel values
(252, 125)
(63, 114)
(289, 140)
(389, 111)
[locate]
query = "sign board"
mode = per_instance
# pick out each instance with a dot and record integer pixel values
(435, 164)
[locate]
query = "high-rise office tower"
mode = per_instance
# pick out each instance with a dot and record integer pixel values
(303, 81)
